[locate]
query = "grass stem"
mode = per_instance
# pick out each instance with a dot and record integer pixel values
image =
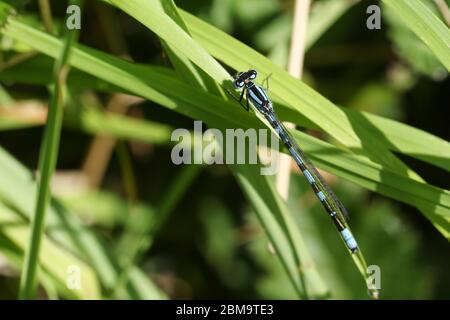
(47, 163)
(46, 13)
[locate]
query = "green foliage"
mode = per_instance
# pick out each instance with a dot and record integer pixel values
(71, 237)
(418, 17)
(411, 48)
(362, 148)
(47, 163)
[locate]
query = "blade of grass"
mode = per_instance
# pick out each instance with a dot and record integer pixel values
(183, 66)
(47, 163)
(64, 227)
(54, 260)
(354, 135)
(327, 156)
(298, 96)
(405, 139)
(282, 232)
(156, 86)
(46, 13)
(426, 25)
(306, 281)
(396, 136)
(444, 10)
(151, 14)
(160, 88)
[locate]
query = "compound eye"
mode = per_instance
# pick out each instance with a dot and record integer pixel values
(252, 74)
(238, 84)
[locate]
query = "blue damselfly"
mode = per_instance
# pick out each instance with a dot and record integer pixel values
(261, 102)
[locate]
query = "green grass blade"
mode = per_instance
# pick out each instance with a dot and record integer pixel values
(425, 24)
(160, 88)
(395, 135)
(63, 226)
(294, 257)
(405, 139)
(319, 111)
(282, 231)
(151, 14)
(47, 162)
(54, 260)
(156, 86)
(182, 65)
(374, 176)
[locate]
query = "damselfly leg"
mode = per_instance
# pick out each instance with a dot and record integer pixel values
(266, 80)
(246, 106)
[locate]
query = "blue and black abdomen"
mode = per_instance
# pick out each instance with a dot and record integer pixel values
(329, 201)
(258, 98)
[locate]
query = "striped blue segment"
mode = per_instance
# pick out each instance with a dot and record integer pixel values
(279, 131)
(309, 177)
(254, 98)
(271, 117)
(298, 159)
(263, 93)
(321, 195)
(349, 240)
(295, 155)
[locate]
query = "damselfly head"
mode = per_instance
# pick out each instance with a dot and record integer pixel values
(243, 77)
(239, 80)
(251, 74)
(238, 83)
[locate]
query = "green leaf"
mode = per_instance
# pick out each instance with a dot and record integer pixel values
(354, 135)
(290, 256)
(394, 135)
(425, 24)
(151, 14)
(5, 12)
(54, 260)
(167, 91)
(97, 122)
(176, 95)
(62, 225)
(298, 96)
(48, 155)
(405, 139)
(294, 256)
(411, 48)
(282, 231)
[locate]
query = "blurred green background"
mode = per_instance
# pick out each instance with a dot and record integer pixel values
(210, 244)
